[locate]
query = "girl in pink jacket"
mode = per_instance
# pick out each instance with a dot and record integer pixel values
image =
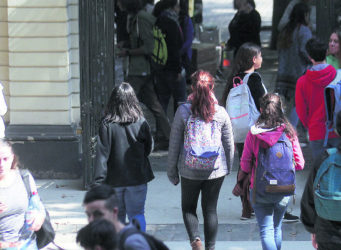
(267, 131)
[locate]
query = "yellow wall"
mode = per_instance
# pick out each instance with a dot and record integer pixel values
(39, 60)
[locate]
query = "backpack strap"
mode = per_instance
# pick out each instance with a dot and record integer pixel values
(25, 175)
(328, 120)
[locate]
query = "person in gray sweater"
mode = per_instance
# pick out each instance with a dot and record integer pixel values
(203, 106)
(293, 59)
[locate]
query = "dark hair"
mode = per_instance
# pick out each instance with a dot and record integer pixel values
(99, 232)
(132, 6)
(202, 97)
(123, 105)
(242, 62)
(316, 49)
(102, 192)
(5, 143)
(170, 3)
(158, 8)
(272, 116)
(297, 18)
(252, 3)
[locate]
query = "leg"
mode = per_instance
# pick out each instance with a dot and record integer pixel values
(163, 88)
(190, 190)
(278, 218)
(209, 200)
(135, 197)
(120, 192)
(179, 90)
(264, 215)
(148, 96)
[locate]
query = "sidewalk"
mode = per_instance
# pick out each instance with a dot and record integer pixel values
(63, 199)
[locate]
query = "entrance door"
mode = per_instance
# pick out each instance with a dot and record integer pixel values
(96, 54)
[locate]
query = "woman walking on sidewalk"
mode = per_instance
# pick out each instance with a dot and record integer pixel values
(200, 151)
(271, 152)
(124, 143)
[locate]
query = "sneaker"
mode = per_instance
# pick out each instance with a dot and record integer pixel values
(290, 218)
(244, 218)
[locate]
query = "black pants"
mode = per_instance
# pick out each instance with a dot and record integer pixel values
(144, 90)
(190, 190)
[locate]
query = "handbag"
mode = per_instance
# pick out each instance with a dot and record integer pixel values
(46, 233)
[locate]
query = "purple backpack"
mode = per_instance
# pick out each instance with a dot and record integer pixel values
(275, 172)
(202, 142)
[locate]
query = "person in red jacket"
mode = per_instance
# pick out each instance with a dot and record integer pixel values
(309, 97)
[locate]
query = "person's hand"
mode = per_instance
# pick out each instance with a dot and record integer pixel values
(313, 241)
(37, 220)
(3, 207)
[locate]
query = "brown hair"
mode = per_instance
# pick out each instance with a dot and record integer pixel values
(4, 143)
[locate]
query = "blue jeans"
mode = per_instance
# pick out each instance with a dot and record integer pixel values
(269, 218)
(131, 201)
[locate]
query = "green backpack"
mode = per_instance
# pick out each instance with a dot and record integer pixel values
(160, 53)
(327, 187)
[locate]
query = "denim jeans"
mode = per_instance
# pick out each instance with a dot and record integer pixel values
(131, 202)
(190, 190)
(269, 218)
(317, 146)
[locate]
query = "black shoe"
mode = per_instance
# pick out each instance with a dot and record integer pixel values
(290, 218)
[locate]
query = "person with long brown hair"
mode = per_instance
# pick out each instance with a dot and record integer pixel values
(124, 144)
(203, 110)
(271, 128)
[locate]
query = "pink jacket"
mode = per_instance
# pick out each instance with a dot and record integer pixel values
(258, 137)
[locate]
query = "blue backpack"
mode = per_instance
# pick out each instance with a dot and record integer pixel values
(275, 172)
(327, 187)
(332, 102)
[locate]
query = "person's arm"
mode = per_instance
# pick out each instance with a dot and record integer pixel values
(256, 88)
(304, 35)
(298, 155)
(188, 35)
(148, 143)
(247, 156)
(102, 153)
(3, 106)
(308, 212)
(176, 141)
(38, 216)
(301, 105)
(285, 17)
(227, 140)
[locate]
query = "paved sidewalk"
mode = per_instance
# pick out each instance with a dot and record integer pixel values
(63, 199)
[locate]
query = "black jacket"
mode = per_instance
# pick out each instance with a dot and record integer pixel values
(174, 40)
(326, 231)
(122, 154)
(244, 27)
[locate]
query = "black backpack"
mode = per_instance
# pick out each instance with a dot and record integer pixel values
(153, 242)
